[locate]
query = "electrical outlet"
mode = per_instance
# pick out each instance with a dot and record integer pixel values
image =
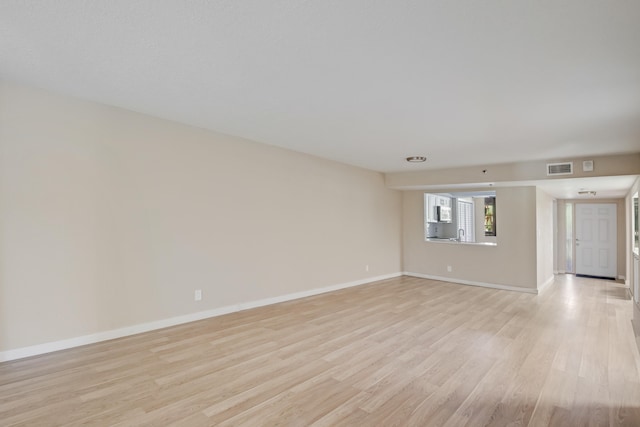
(449, 269)
(197, 295)
(366, 267)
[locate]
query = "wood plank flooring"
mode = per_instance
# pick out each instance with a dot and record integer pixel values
(400, 352)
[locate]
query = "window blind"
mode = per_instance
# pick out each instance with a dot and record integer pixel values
(465, 220)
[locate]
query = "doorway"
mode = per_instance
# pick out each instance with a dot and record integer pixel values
(596, 235)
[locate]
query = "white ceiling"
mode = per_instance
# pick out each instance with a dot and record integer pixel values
(606, 187)
(364, 82)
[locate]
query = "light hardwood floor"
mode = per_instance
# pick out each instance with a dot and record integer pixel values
(404, 351)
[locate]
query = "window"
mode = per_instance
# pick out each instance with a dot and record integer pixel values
(458, 217)
(490, 216)
(465, 221)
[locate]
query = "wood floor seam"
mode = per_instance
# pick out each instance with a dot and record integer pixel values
(402, 351)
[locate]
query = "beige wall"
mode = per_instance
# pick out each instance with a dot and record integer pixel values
(628, 235)
(615, 165)
(544, 238)
(511, 263)
(621, 219)
(110, 218)
(630, 258)
(561, 225)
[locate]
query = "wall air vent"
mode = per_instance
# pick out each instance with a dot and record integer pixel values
(560, 168)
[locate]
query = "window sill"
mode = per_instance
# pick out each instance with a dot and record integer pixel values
(456, 242)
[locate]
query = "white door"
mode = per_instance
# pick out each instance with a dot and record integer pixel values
(596, 231)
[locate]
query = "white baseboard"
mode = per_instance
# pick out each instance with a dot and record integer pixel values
(546, 283)
(49, 347)
(472, 283)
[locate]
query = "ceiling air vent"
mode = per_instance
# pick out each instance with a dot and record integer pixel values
(560, 168)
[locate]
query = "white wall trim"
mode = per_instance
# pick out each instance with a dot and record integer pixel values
(546, 283)
(473, 283)
(49, 347)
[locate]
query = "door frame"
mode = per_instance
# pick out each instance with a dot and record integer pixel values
(615, 236)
